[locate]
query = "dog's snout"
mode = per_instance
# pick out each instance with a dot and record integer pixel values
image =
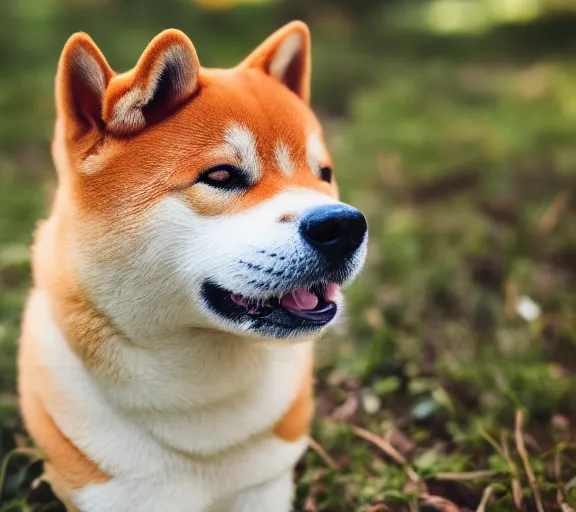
(335, 230)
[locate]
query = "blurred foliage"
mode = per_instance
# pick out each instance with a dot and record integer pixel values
(452, 125)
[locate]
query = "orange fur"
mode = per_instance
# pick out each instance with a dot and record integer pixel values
(296, 421)
(169, 157)
(120, 149)
(67, 468)
(297, 76)
(160, 157)
(88, 331)
(130, 93)
(287, 217)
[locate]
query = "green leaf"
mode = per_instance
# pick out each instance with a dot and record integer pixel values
(13, 474)
(386, 386)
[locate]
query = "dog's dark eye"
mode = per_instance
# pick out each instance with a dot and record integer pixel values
(326, 174)
(226, 177)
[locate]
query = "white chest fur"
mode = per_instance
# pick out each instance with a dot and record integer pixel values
(186, 425)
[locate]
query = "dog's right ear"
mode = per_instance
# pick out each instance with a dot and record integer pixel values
(81, 82)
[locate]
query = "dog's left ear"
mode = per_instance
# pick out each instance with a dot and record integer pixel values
(165, 76)
(285, 55)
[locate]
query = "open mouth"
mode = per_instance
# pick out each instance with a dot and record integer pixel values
(303, 308)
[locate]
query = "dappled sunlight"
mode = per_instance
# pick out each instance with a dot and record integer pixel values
(474, 16)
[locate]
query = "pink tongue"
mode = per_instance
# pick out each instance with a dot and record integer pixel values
(299, 299)
(331, 291)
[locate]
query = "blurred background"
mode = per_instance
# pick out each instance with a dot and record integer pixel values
(453, 128)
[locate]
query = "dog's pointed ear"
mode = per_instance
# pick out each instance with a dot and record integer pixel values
(166, 75)
(81, 81)
(286, 56)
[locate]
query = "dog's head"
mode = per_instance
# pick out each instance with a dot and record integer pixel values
(203, 197)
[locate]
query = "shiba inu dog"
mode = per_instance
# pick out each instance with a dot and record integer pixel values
(195, 249)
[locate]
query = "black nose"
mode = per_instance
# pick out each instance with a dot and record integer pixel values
(335, 230)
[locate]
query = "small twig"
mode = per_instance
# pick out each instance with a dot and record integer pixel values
(350, 406)
(439, 503)
(486, 496)
(389, 450)
(566, 508)
(517, 495)
(31, 452)
(521, 447)
(316, 488)
(310, 505)
(552, 215)
(570, 484)
(465, 476)
(493, 442)
(516, 487)
(380, 507)
(323, 454)
(557, 467)
(504, 452)
(510, 299)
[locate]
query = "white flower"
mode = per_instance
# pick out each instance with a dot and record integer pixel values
(528, 309)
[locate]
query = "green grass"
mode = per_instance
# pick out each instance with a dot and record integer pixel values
(467, 173)
(462, 154)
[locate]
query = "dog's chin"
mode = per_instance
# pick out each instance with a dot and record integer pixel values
(303, 311)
